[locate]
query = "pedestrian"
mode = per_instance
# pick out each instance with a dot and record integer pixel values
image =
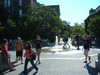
(38, 46)
(86, 47)
(65, 40)
(6, 55)
(19, 50)
(77, 41)
(28, 58)
(10, 42)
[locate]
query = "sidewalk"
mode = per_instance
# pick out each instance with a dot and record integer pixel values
(59, 63)
(66, 62)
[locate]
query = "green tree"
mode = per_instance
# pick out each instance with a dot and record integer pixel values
(78, 29)
(94, 26)
(66, 28)
(8, 31)
(40, 20)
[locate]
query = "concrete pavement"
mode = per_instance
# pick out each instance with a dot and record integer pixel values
(67, 62)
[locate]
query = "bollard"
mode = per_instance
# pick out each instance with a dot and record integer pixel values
(99, 61)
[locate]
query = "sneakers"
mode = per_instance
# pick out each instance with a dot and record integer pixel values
(12, 69)
(85, 61)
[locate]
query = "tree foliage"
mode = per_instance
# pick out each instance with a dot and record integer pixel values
(40, 20)
(66, 28)
(78, 29)
(94, 26)
(9, 30)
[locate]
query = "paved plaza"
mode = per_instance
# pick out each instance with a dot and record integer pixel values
(66, 62)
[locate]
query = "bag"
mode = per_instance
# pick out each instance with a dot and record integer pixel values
(33, 56)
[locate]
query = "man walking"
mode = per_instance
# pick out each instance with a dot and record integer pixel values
(19, 50)
(86, 47)
(77, 41)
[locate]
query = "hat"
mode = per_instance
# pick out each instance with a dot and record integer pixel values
(19, 38)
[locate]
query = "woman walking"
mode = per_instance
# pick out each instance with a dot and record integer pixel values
(38, 47)
(28, 54)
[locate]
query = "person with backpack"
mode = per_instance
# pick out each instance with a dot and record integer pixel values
(65, 40)
(28, 53)
(86, 47)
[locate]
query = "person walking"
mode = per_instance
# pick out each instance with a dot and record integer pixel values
(77, 41)
(86, 47)
(38, 47)
(28, 58)
(6, 56)
(19, 50)
(65, 40)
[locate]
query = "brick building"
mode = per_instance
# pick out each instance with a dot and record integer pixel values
(16, 6)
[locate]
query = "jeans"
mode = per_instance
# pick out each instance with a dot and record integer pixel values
(26, 63)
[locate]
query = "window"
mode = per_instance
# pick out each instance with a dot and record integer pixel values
(20, 12)
(20, 2)
(8, 3)
(5, 3)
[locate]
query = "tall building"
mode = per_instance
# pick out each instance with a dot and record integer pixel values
(16, 6)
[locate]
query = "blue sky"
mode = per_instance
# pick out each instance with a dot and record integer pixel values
(73, 11)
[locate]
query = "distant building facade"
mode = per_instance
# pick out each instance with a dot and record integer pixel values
(56, 7)
(16, 6)
(92, 13)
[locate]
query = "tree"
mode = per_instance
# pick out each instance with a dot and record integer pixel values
(78, 29)
(40, 20)
(94, 26)
(66, 28)
(8, 31)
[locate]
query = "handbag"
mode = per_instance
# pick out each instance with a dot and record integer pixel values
(33, 56)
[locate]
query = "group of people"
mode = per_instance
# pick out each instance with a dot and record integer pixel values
(28, 52)
(19, 53)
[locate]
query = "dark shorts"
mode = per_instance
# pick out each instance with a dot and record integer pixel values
(19, 53)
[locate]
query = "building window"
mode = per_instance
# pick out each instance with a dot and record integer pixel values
(8, 3)
(5, 3)
(20, 2)
(20, 12)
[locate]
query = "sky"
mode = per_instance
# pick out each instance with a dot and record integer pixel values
(73, 11)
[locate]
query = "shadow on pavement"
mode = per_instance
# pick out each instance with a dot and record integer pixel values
(91, 70)
(28, 71)
(7, 70)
